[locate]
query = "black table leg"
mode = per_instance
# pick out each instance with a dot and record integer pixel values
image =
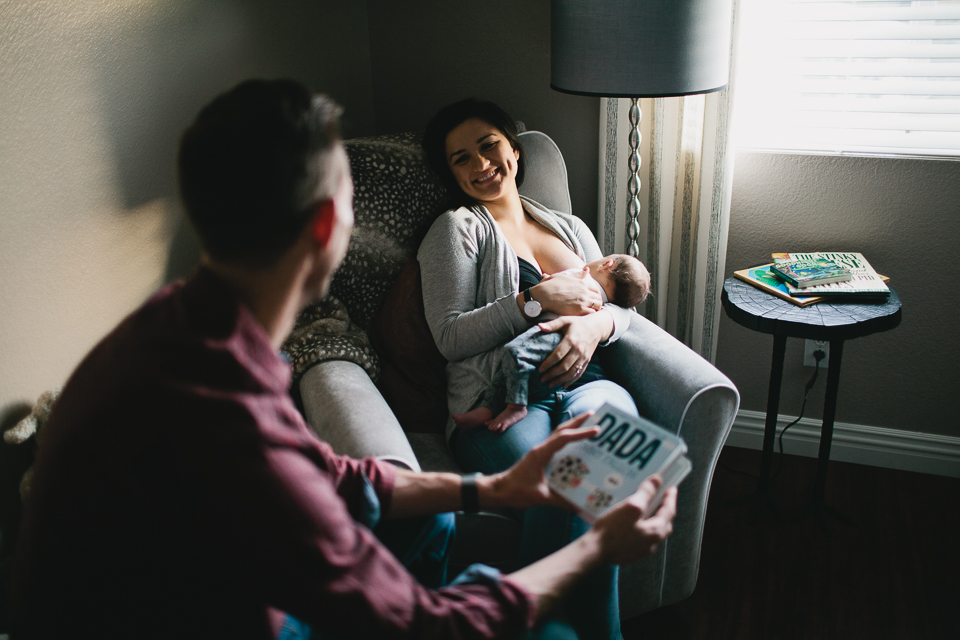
(818, 504)
(762, 497)
(773, 411)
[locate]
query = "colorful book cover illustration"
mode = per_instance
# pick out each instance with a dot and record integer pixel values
(865, 281)
(597, 473)
(804, 273)
(765, 279)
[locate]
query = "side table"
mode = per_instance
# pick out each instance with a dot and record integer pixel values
(833, 322)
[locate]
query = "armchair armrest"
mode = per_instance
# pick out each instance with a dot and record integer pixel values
(346, 410)
(683, 393)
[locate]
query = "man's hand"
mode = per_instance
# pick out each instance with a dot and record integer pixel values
(522, 485)
(628, 532)
(525, 483)
(625, 533)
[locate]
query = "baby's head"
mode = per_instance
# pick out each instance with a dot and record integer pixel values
(624, 279)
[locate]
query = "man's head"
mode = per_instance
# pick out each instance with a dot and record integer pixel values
(261, 163)
(624, 279)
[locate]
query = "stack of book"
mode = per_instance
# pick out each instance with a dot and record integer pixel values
(807, 278)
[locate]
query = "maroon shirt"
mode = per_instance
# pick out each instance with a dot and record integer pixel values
(179, 493)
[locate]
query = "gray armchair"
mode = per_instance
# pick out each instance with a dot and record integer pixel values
(396, 198)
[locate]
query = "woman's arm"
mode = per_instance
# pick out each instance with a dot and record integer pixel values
(453, 260)
(566, 294)
(591, 251)
(451, 272)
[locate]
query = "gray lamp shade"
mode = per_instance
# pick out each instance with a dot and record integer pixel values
(640, 48)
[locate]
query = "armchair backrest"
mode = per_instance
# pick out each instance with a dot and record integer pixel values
(545, 179)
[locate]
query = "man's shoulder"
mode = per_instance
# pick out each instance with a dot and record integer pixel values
(183, 342)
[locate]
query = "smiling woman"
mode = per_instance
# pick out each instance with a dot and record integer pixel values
(483, 162)
(483, 266)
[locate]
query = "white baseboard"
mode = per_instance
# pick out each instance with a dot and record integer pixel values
(875, 446)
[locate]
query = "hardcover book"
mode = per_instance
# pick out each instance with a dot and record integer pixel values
(805, 273)
(865, 281)
(763, 278)
(595, 474)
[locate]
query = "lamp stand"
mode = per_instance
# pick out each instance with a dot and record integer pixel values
(633, 181)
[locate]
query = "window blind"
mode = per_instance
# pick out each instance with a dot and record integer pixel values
(858, 76)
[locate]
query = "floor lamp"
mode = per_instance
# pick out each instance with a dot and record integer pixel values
(639, 49)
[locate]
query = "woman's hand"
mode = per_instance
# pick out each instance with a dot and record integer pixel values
(581, 335)
(568, 294)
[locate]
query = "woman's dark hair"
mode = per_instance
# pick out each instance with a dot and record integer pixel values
(253, 164)
(451, 117)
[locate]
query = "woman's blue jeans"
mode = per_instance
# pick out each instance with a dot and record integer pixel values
(592, 607)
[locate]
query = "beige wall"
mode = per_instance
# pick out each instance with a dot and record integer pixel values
(428, 53)
(94, 93)
(93, 96)
(904, 216)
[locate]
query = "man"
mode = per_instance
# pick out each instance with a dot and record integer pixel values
(178, 492)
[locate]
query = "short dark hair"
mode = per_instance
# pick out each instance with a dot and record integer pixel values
(449, 118)
(631, 279)
(252, 165)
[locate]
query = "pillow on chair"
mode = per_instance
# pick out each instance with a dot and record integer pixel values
(412, 369)
(396, 197)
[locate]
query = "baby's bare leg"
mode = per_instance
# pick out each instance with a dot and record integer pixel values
(472, 419)
(510, 416)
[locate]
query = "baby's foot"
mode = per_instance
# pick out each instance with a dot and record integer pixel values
(510, 416)
(472, 419)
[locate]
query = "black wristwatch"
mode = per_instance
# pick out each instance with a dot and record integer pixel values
(531, 308)
(469, 494)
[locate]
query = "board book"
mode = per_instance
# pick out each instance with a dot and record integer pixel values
(763, 278)
(806, 273)
(599, 472)
(865, 281)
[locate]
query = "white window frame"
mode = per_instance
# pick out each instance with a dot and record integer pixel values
(849, 77)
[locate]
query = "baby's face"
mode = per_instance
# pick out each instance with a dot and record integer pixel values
(602, 276)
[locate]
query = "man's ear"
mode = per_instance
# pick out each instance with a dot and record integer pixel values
(323, 218)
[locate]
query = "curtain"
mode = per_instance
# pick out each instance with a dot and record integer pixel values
(686, 175)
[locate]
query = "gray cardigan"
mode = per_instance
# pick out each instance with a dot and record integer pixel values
(470, 281)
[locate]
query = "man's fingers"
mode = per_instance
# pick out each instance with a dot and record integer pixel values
(559, 439)
(644, 494)
(668, 508)
(569, 431)
(574, 422)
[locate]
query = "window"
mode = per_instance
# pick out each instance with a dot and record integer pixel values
(855, 76)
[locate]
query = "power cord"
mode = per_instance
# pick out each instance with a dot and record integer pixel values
(818, 355)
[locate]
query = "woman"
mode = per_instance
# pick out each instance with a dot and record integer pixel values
(481, 265)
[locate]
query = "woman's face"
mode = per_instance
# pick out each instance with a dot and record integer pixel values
(482, 160)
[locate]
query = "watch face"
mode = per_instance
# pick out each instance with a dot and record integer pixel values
(532, 308)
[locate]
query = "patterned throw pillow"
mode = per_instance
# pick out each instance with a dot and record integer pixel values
(396, 198)
(324, 332)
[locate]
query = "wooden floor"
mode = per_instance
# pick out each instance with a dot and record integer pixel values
(894, 573)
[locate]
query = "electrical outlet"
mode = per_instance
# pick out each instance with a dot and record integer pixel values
(809, 346)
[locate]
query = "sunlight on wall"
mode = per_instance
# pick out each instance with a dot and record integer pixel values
(77, 250)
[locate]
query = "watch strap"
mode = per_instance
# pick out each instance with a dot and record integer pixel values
(469, 493)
